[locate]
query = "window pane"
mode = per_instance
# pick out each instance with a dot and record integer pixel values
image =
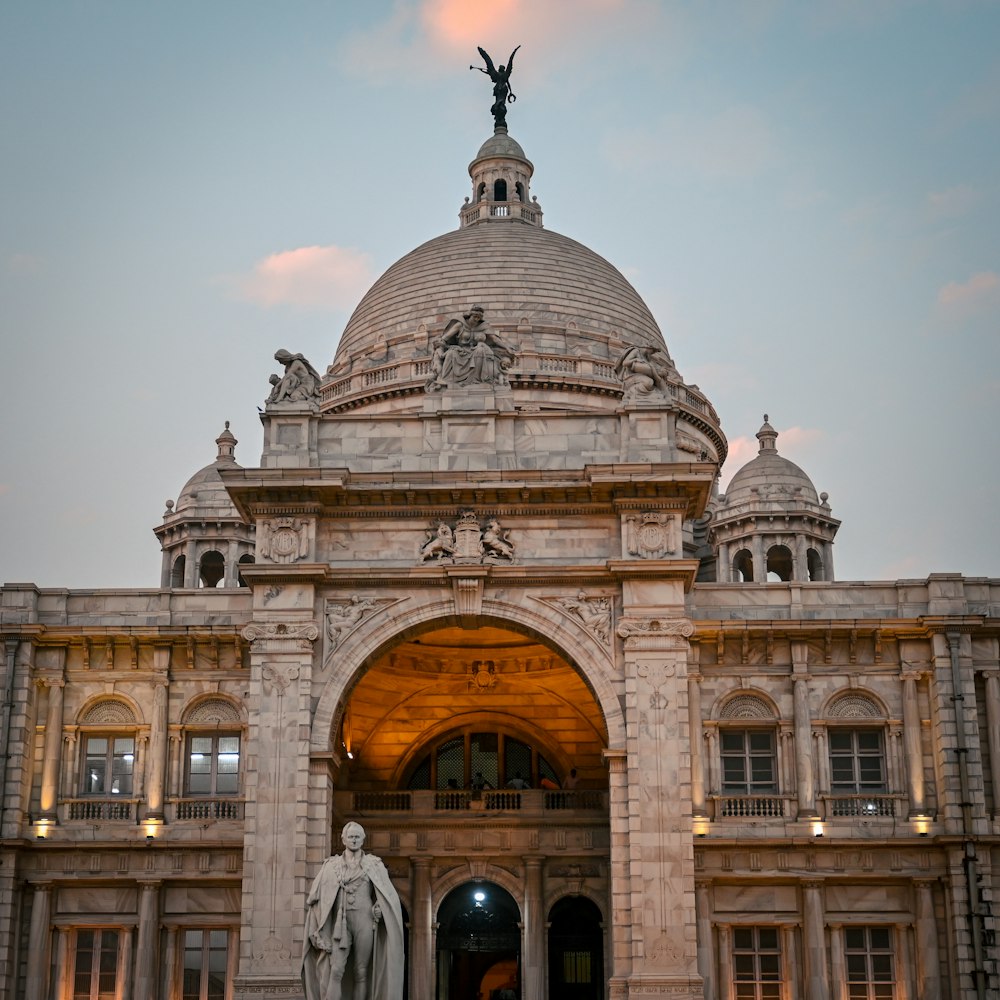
(484, 749)
(762, 742)
(732, 741)
(517, 758)
(451, 764)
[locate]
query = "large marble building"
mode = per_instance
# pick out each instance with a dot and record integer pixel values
(613, 733)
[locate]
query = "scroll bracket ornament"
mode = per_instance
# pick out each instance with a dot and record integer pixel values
(654, 633)
(281, 637)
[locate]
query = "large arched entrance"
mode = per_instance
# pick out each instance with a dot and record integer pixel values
(475, 759)
(479, 944)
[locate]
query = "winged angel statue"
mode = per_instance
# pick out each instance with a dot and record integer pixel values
(502, 94)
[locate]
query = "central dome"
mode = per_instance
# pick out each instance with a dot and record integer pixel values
(574, 300)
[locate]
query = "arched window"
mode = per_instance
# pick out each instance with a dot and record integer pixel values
(519, 189)
(177, 572)
(212, 774)
(107, 766)
(814, 565)
(245, 560)
(743, 566)
(856, 743)
(212, 569)
(748, 758)
(500, 190)
(779, 564)
(481, 192)
(482, 759)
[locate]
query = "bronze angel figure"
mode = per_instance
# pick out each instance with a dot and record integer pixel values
(502, 94)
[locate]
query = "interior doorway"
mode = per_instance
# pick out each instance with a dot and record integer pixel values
(479, 944)
(576, 950)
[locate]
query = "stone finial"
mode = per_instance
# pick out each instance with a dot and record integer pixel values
(767, 436)
(227, 445)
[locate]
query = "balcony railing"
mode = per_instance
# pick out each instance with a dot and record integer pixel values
(861, 805)
(116, 809)
(530, 801)
(750, 807)
(206, 808)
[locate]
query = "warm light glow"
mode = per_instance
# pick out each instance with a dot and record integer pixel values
(701, 826)
(42, 827)
(817, 828)
(922, 824)
(151, 827)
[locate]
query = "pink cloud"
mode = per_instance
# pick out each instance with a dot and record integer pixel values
(741, 450)
(314, 277)
(981, 290)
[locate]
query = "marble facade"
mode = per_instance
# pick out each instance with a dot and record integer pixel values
(787, 786)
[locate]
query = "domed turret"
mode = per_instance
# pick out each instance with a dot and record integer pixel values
(203, 537)
(771, 525)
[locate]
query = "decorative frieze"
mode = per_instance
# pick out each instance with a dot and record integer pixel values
(467, 540)
(594, 613)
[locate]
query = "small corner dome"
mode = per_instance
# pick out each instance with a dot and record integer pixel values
(769, 477)
(205, 489)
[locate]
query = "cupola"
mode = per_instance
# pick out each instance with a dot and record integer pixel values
(501, 179)
(203, 537)
(770, 525)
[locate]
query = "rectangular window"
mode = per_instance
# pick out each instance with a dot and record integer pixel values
(869, 958)
(748, 762)
(95, 967)
(213, 765)
(857, 760)
(206, 959)
(756, 963)
(108, 765)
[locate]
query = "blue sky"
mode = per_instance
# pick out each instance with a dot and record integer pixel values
(807, 195)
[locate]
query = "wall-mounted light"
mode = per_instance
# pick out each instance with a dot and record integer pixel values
(818, 828)
(701, 826)
(43, 827)
(922, 824)
(151, 828)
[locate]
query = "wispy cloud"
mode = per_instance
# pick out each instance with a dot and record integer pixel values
(317, 277)
(952, 202)
(794, 443)
(424, 40)
(979, 293)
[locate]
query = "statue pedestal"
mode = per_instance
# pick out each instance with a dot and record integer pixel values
(264, 987)
(478, 398)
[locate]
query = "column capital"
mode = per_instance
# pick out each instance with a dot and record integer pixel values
(281, 637)
(617, 760)
(50, 680)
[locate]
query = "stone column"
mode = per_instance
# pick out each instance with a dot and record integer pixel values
(706, 951)
(171, 988)
(276, 876)
(421, 917)
(52, 753)
(165, 564)
(621, 890)
(157, 755)
(828, 561)
(723, 569)
(697, 742)
(805, 778)
(800, 564)
(533, 953)
(147, 966)
(928, 960)
(663, 920)
(726, 990)
(39, 943)
(993, 732)
(190, 564)
(759, 559)
(813, 940)
(125, 963)
(838, 963)
(913, 743)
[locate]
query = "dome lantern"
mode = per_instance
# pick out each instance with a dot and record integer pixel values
(501, 179)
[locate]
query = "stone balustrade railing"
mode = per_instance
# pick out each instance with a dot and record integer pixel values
(528, 802)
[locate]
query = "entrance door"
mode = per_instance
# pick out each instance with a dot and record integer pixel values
(479, 944)
(576, 950)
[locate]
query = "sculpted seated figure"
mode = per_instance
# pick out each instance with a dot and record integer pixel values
(300, 383)
(469, 353)
(353, 947)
